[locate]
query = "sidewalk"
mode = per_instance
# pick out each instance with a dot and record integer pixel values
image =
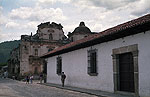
(88, 91)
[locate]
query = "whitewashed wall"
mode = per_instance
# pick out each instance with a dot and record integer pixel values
(74, 64)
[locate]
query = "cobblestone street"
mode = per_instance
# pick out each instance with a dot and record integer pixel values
(12, 88)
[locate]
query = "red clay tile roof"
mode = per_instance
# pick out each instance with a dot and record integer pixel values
(102, 35)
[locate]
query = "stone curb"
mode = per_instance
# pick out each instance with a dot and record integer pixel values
(87, 91)
(67, 88)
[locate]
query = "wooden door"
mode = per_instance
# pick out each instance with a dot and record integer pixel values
(126, 72)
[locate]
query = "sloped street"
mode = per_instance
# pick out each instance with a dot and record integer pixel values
(13, 88)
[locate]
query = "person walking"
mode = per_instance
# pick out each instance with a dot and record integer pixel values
(63, 77)
(27, 79)
(41, 77)
(5, 74)
(31, 79)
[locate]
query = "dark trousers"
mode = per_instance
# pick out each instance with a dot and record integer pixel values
(63, 81)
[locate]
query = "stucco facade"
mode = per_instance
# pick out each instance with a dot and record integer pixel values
(110, 46)
(74, 64)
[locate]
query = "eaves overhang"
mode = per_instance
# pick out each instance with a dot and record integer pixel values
(114, 33)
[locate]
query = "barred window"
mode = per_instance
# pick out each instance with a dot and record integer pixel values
(59, 65)
(92, 62)
(36, 52)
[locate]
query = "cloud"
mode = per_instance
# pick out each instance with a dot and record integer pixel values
(1, 8)
(21, 13)
(22, 25)
(38, 14)
(9, 36)
(90, 4)
(32, 25)
(2, 37)
(141, 7)
(3, 19)
(12, 25)
(49, 2)
(98, 15)
(97, 27)
(107, 4)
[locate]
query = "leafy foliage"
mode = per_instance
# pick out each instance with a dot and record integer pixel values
(6, 48)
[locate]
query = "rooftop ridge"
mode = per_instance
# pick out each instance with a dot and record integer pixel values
(109, 31)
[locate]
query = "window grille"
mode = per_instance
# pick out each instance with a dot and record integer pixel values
(92, 62)
(59, 65)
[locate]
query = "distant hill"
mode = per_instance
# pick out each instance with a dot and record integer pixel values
(6, 48)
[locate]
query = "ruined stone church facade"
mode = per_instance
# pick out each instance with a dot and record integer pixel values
(49, 36)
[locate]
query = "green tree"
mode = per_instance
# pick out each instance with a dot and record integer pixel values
(6, 48)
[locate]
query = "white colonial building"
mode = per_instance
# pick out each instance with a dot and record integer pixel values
(115, 60)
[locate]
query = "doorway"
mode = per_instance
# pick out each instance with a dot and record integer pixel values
(126, 77)
(126, 73)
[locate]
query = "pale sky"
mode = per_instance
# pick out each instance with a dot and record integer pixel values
(20, 17)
